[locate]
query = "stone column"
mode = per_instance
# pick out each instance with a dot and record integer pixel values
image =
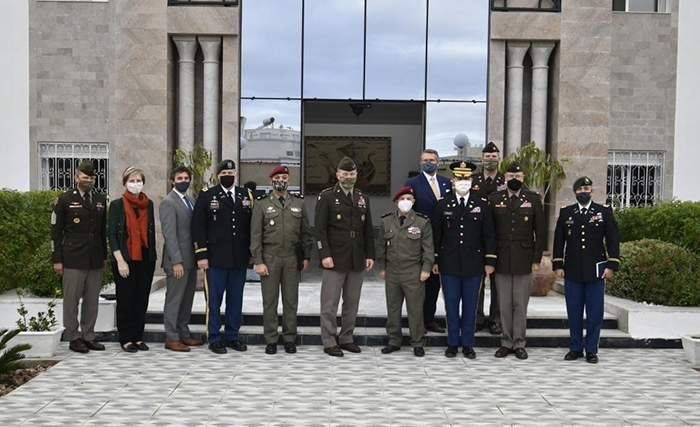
(539, 52)
(211, 47)
(186, 48)
(515, 53)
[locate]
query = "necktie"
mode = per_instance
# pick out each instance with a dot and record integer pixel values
(401, 220)
(584, 211)
(489, 180)
(350, 197)
(461, 202)
(188, 203)
(230, 194)
(513, 200)
(86, 197)
(436, 190)
(281, 199)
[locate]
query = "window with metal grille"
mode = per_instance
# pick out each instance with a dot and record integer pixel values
(640, 6)
(58, 162)
(635, 178)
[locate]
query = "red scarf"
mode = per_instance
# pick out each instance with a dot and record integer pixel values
(136, 228)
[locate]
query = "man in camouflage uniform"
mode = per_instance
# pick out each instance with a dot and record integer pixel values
(79, 254)
(280, 244)
(405, 255)
(484, 183)
(346, 248)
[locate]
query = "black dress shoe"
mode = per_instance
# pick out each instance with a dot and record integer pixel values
(130, 348)
(451, 351)
(591, 358)
(418, 351)
(502, 352)
(480, 326)
(495, 329)
(290, 347)
(334, 351)
(78, 346)
(93, 345)
(271, 348)
(573, 355)
(434, 327)
(469, 353)
(351, 347)
(390, 349)
(237, 345)
(520, 353)
(218, 347)
(141, 346)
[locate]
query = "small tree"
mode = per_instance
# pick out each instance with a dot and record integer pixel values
(9, 359)
(541, 170)
(199, 161)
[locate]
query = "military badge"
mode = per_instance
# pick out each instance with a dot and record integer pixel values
(270, 209)
(361, 202)
(295, 210)
(320, 245)
(501, 187)
(526, 219)
(526, 204)
(413, 230)
(245, 202)
(362, 217)
(76, 220)
(339, 217)
(99, 206)
(53, 218)
(272, 222)
(214, 205)
(475, 210)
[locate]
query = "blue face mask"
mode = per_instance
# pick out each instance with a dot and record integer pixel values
(182, 186)
(428, 167)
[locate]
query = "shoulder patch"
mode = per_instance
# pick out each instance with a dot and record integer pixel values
(387, 214)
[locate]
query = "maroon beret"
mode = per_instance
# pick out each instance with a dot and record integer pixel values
(278, 170)
(402, 191)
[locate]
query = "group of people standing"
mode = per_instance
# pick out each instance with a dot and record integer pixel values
(444, 234)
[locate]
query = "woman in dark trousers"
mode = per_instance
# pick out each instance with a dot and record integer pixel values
(132, 240)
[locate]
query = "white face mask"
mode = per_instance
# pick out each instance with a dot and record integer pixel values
(134, 187)
(463, 186)
(405, 205)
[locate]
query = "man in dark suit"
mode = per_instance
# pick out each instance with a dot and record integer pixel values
(429, 188)
(465, 246)
(221, 234)
(345, 243)
(519, 221)
(178, 262)
(586, 252)
(79, 254)
(484, 183)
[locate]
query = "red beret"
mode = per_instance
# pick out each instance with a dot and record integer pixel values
(402, 191)
(278, 170)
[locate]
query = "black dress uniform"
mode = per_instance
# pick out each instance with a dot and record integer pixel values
(520, 232)
(482, 187)
(585, 243)
(343, 232)
(465, 242)
(79, 242)
(221, 235)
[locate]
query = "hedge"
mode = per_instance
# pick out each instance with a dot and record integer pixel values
(657, 272)
(25, 242)
(674, 222)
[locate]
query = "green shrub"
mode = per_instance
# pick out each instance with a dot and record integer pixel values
(24, 225)
(657, 272)
(9, 358)
(674, 222)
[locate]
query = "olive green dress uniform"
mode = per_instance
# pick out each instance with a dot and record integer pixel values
(404, 251)
(343, 232)
(79, 241)
(278, 232)
(520, 229)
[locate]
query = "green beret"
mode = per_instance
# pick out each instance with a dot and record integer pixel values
(347, 164)
(584, 180)
(491, 148)
(87, 167)
(224, 165)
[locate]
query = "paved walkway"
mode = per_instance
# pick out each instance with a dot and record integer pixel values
(160, 388)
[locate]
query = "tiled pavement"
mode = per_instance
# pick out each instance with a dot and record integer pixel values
(158, 388)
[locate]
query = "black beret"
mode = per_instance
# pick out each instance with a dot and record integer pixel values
(514, 167)
(491, 148)
(584, 180)
(87, 167)
(462, 169)
(347, 164)
(224, 165)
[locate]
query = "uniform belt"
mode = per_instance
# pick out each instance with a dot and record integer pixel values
(352, 234)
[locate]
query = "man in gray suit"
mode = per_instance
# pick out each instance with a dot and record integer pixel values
(178, 262)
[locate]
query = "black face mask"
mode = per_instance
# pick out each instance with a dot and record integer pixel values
(227, 181)
(514, 184)
(583, 197)
(182, 186)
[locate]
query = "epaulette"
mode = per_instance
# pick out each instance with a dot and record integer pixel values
(422, 215)
(326, 190)
(387, 214)
(261, 197)
(532, 191)
(301, 196)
